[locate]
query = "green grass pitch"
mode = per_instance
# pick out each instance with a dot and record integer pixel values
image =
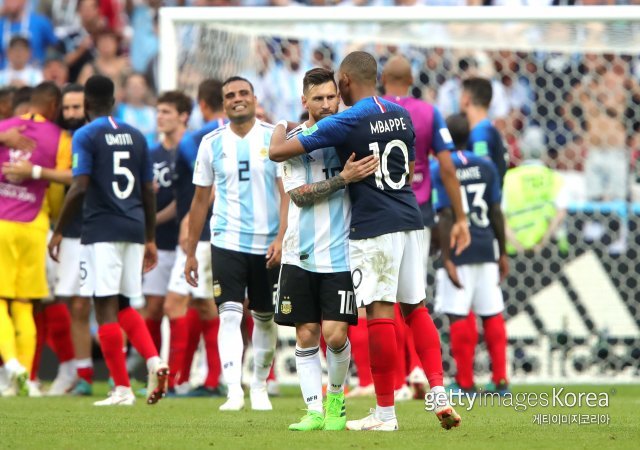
(73, 423)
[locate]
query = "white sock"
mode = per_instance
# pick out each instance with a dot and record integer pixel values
(385, 413)
(440, 396)
(67, 369)
(13, 366)
(338, 365)
(230, 346)
(153, 362)
(310, 376)
(265, 335)
(83, 363)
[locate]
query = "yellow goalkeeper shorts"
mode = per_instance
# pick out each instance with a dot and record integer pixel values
(23, 248)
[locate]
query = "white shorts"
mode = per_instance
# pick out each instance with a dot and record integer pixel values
(481, 291)
(111, 268)
(68, 269)
(425, 253)
(156, 281)
(388, 268)
(178, 283)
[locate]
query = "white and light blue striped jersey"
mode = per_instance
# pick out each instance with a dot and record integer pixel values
(317, 237)
(246, 209)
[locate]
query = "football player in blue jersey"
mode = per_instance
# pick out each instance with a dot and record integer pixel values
(484, 139)
(315, 284)
(247, 228)
(113, 177)
(189, 324)
(471, 280)
(386, 240)
(173, 109)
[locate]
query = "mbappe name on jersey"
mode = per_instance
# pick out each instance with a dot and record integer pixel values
(387, 126)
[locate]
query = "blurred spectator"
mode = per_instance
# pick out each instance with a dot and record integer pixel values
(18, 20)
(21, 100)
(63, 14)
(449, 93)
(144, 22)
(135, 109)
(18, 71)
(57, 71)
(284, 79)
(6, 102)
(535, 199)
(108, 62)
(77, 44)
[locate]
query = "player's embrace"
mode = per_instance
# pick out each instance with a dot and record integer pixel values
(112, 173)
(386, 238)
(315, 282)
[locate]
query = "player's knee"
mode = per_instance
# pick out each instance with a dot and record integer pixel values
(308, 335)
(335, 337)
(206, 309)
(174, 308)
(453, 318)
(80, 309)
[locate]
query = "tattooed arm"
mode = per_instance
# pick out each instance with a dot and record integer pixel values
(310, 193)
(353, 171)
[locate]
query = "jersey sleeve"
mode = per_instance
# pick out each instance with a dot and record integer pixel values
(82, 160)
(203, 171)
(494, 192)
(331, 131)
(293, 173)
(441, 140)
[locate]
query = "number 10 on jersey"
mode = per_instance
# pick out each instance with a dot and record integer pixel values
(383, 169)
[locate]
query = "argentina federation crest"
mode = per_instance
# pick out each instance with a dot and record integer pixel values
(285, 306)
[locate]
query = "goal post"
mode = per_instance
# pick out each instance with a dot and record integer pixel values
(573, 309)
(305, 22)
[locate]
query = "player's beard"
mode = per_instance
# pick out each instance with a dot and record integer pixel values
(73, 124)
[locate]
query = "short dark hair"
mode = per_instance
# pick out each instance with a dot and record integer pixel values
(7, 92)
(98, 93)
(72, 87)
(210, 92)
(22, 95)
(480, 90)
(19, 41)
(45, 93)
(237, 78)
(360, 65)
(316, 77)
(458, 125)
(178, 99)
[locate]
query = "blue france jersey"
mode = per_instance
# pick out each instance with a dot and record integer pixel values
(384, 202)
(479, 189)
(485, 141)
(317, 235)
(163, 165)
(186, 156)
(246, 210)
(115, 157)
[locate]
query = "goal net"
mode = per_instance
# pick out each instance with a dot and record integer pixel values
(563, 78)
